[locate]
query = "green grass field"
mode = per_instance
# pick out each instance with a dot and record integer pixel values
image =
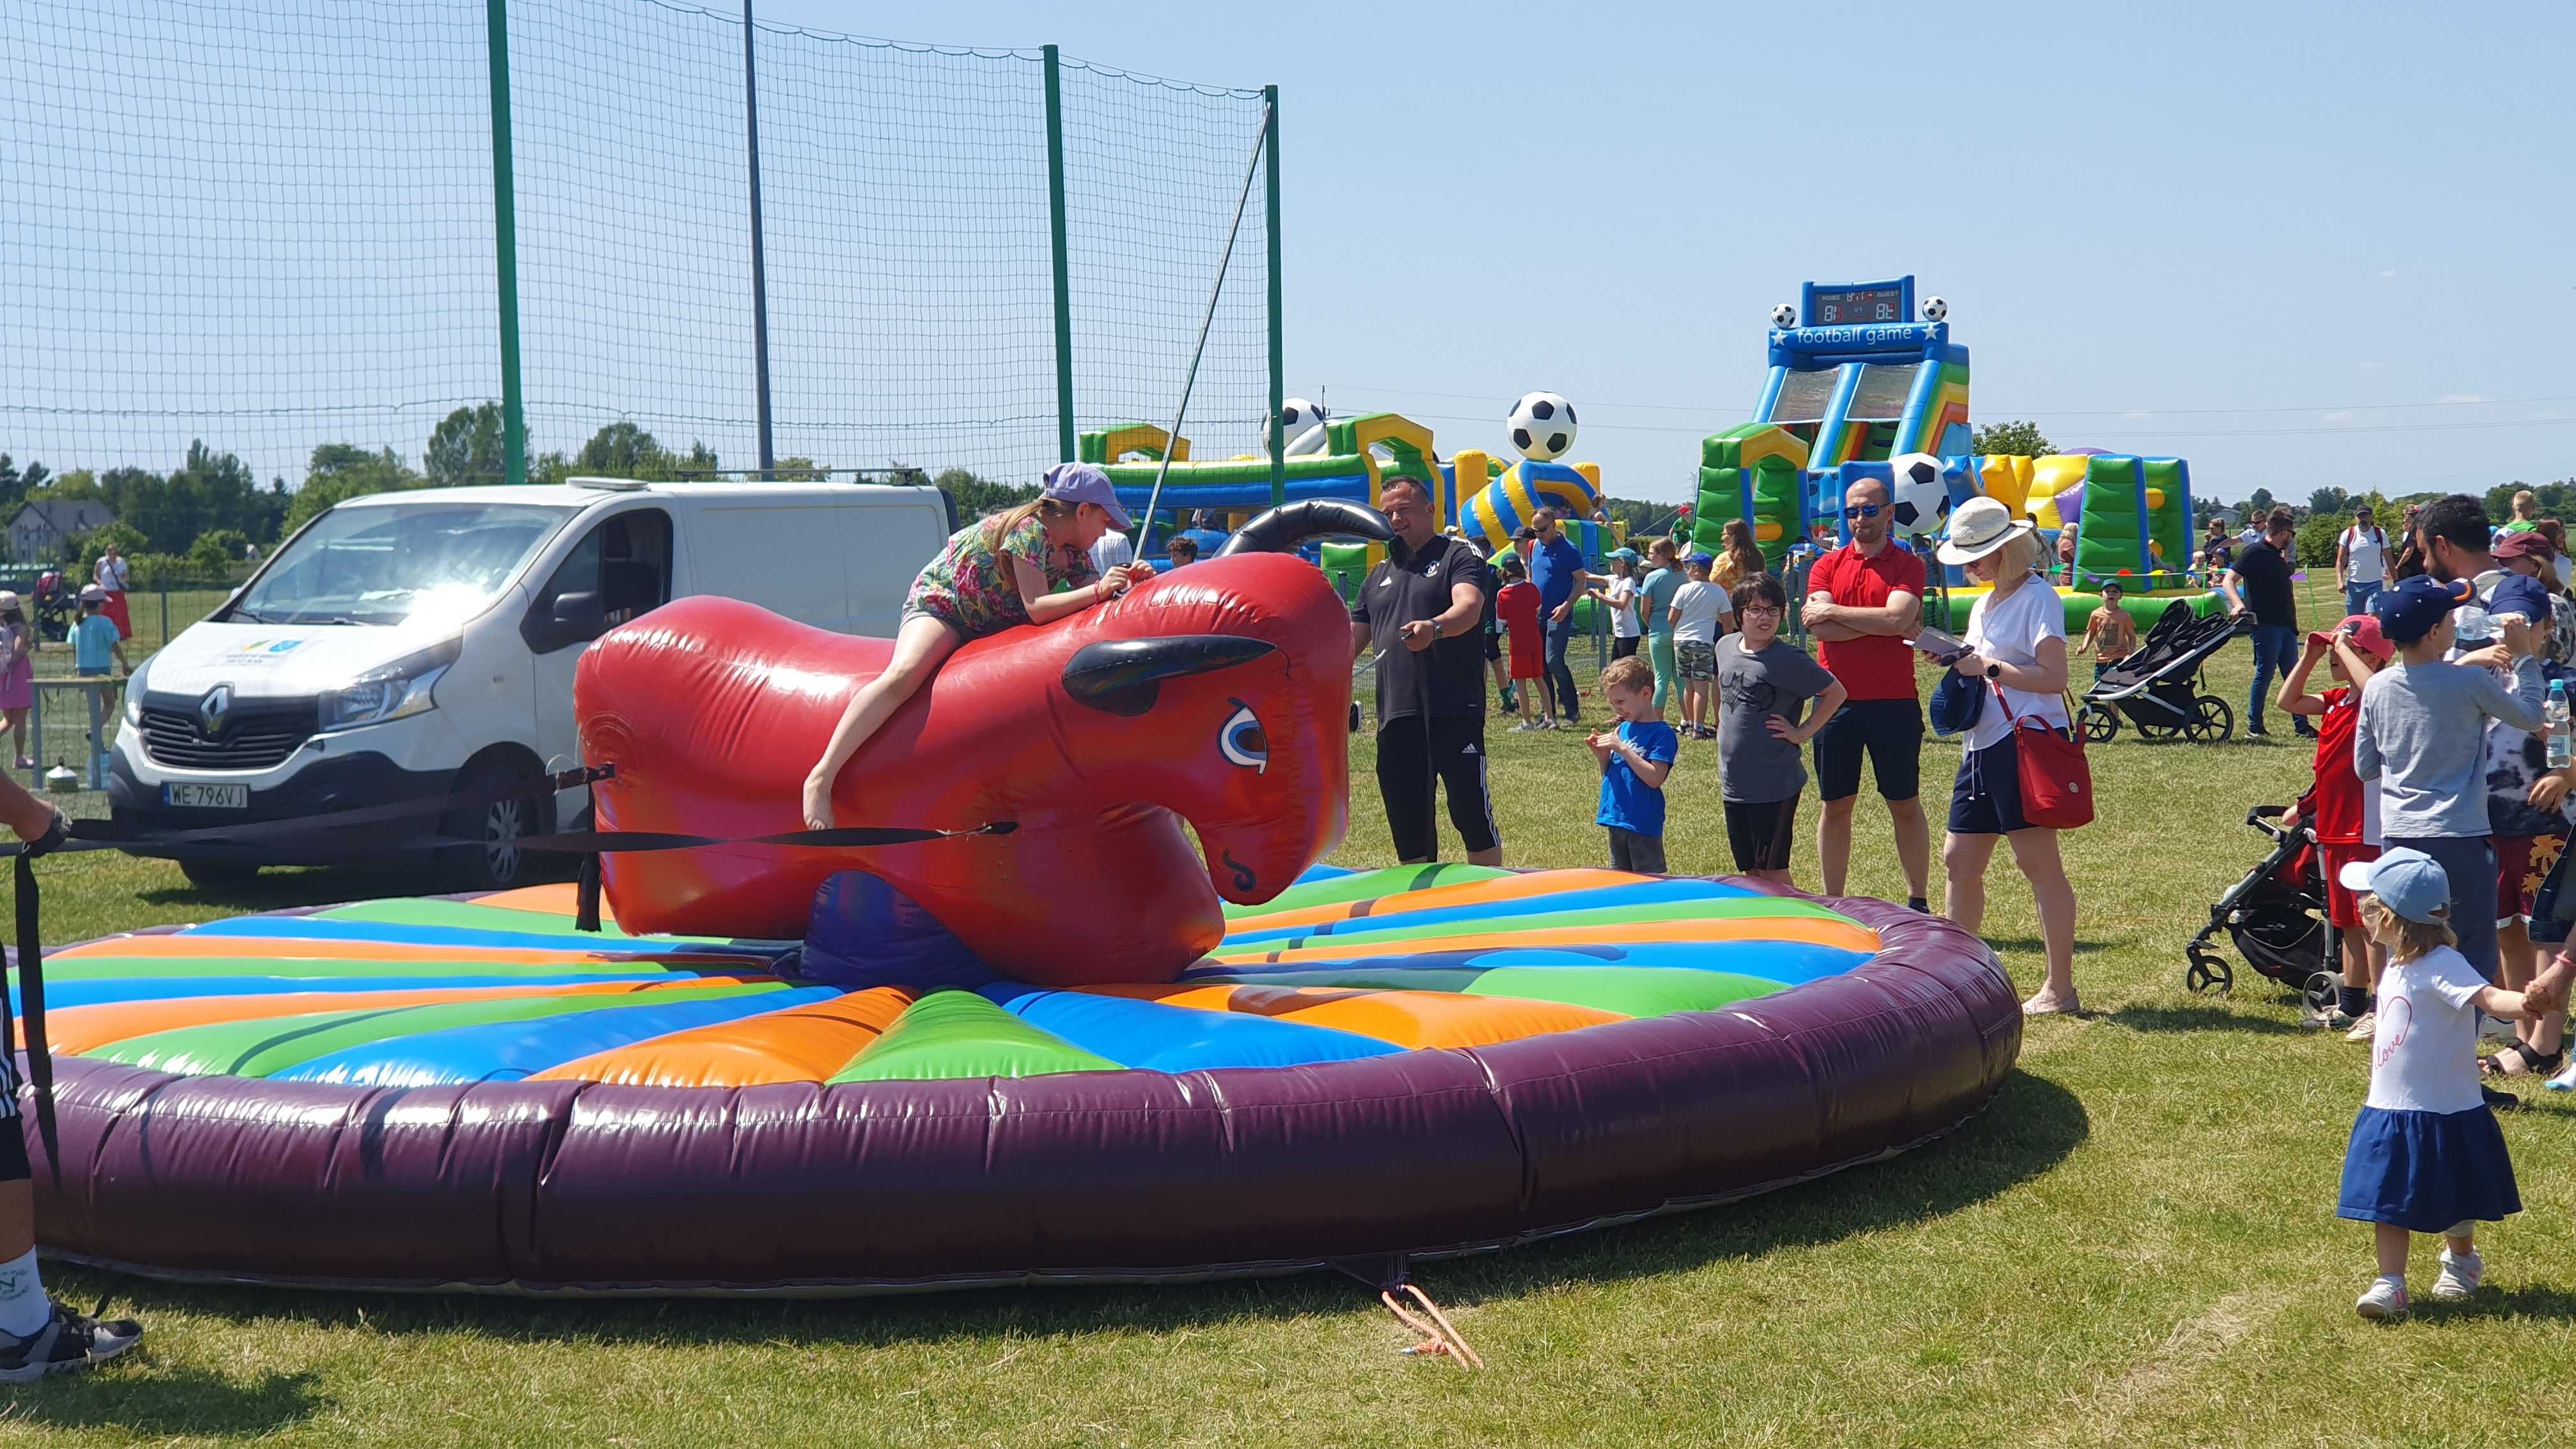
(2135, 1244)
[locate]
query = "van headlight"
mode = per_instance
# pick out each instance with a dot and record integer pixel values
(401, 688)
(134, 691)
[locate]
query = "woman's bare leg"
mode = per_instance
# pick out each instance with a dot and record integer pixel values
(920, 647)
(2035, 851)
(1963, 860)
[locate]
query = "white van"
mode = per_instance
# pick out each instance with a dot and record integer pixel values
(406, 646)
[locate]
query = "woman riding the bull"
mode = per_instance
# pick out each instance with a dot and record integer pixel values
(1029, 565)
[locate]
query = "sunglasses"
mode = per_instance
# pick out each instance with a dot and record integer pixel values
(1861, 510)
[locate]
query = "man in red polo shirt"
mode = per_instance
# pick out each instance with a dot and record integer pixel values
(1864, 601)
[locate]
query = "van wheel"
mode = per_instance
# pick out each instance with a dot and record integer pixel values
(496, 863)
(218, 875)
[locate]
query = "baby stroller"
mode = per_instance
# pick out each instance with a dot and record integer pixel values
(52, 607)
(2276, 916)
(2157, 687)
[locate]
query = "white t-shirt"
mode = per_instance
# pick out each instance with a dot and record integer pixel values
(1112, 549)
(2365, 555)
(112, 573)
(1623, 608)
(2425, 1058)
(2010, 632)
(1700, 604)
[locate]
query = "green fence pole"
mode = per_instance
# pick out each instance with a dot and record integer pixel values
(505, 242)
(1063, 272)
(1278, 353)
(759, 254)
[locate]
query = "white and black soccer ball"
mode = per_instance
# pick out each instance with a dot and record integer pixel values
(1784, 315)
(1301, 427)
(1921, 500)
(1542, 426)
(1934, 309)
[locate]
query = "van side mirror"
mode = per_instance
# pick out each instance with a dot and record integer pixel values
(580, 615)
(576, 617)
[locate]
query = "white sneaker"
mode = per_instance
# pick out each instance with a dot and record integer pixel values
(2384, 1299)
(2565, 1081)
(2461, 1275)
(2364, 1028)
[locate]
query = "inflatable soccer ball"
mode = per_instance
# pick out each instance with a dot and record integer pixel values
(1542, 426)
(1784, 315)
(1301, 424)
(1921, 499)
(1934, 309)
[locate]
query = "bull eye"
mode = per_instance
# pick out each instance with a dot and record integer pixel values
(1242, 740)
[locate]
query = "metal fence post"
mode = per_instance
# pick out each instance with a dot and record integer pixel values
(759, 259)
(1064, 428)
(505, 243)
(1278, 354)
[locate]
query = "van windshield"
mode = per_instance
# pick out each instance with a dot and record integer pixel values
(391, 564)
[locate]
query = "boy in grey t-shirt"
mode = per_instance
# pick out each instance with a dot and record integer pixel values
(2421, 735)
(1762, 681)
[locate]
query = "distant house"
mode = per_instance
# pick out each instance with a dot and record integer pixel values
(42, 532)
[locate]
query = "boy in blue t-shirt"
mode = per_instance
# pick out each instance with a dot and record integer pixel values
(1635, 761)
(94, 637)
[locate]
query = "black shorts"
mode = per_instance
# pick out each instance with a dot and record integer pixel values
(1891, 730)
(1408, 757)
(13, 1136)
(1986, 800)
(1761, 833)
(1493, 644)
(1622, 648)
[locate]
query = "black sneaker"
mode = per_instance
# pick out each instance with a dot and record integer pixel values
(67, 1343)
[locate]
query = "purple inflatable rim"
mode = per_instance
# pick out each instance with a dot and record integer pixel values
(801, 1190)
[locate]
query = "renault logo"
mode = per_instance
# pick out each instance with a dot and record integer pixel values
(214, 709)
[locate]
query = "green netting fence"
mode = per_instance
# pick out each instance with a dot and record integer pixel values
(276, 224)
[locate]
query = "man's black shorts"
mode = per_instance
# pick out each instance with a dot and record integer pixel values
(1891, 730)
(1409, 756)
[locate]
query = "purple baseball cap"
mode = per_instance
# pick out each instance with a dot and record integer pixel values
(1085, 483)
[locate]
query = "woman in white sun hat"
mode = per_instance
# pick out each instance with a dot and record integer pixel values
(2017, 643)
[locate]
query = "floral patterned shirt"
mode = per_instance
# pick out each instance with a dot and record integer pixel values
(969, 586)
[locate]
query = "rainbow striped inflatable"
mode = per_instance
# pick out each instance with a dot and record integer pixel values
(469, 1093)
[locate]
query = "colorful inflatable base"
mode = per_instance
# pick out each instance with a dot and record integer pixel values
(469, 1093)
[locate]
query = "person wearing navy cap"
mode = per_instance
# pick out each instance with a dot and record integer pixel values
(1026, 565)
(2524, 796)
(2421, 735)
(2425, 1156)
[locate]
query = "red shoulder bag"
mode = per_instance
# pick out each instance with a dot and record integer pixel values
(2056, 782)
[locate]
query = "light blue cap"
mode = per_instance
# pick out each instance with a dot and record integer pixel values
(2409, 882)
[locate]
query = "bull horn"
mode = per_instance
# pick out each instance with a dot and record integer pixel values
(1283, 528)
(1122, 676)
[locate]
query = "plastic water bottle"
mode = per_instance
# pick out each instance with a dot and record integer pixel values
(2562, 749)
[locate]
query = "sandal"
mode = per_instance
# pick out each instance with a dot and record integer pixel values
(2042, 1004)
(2521, 1060)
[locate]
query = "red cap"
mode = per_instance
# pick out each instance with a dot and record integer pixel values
(2365, 636)
(2519, 545)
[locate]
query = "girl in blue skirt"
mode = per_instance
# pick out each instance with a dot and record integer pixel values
(2426, 1156)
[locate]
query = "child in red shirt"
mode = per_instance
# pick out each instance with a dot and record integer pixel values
(1518, 607)
(2346, 822)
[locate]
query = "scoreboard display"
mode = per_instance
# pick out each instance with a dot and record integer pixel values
(1854, 306)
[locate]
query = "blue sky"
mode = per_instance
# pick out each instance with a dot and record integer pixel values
(2310, 246)
(2299, 248)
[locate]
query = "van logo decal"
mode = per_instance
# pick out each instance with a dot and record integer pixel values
(214, 709)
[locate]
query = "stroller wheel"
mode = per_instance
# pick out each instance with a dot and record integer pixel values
(2211, 721)
(2101, 723)
(2208, 970)
(2319, 993)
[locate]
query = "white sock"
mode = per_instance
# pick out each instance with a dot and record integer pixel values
(23, 1308)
